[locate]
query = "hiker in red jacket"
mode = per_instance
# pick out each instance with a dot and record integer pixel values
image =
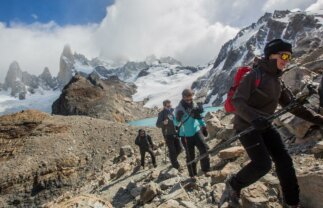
(252, 105)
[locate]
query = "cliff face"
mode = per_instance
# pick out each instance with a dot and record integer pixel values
(66, 66)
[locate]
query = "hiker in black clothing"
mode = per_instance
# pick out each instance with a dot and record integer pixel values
(145, 144)
(264, 144)
(321, 97)
(165, 122)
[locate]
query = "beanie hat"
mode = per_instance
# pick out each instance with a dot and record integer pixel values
(276, 46)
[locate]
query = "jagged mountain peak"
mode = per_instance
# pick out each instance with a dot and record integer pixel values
(302, 29)
(67, 51)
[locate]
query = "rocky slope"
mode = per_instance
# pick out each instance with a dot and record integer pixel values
(303, 29)
(124, 184)
(109, 99)
(43, 156)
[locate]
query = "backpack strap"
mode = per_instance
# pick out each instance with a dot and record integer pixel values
(258, 76)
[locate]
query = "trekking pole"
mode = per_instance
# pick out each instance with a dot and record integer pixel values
(165, 158)
(300, 100)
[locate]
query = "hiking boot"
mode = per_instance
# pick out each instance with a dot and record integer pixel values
(230, 195)
(296, 206)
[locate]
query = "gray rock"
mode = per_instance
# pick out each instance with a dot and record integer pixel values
(168, 173)
(168, 183)
(148, 192)
(126, 150)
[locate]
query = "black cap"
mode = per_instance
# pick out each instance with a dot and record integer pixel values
(275, 46)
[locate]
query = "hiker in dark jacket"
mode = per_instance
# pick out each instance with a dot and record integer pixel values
(191, 127)
(145, 144)
(165, 122)
(321, 96)
(264, 144)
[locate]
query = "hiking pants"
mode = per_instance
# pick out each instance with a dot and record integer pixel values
(174, 149)
(261, 148)
(143, 153)
(189, 144)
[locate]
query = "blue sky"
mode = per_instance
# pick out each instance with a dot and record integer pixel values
(192, 31)
(63, 12)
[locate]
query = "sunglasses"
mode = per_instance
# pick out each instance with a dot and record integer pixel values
(285, 56)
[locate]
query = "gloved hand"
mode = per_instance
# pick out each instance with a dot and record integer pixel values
(204, 131)
(261, 123)
(179, 115)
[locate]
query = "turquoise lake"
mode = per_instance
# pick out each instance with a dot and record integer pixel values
(151, 122)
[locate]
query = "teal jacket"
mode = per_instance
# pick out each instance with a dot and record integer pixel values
(191, 125)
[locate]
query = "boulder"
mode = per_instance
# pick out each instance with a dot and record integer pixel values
(231, 152)
(81, 201)
(214, 126)
(168, 183)
(124, 169)
(311, 189)
(148, 192)
(167, 173)
(255, 196)
(126, 150)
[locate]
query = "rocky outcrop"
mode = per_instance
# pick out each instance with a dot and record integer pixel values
(43, 157)
(14, 75)
(311, 186)
(21, 82)
(66, 66)
(108, 99)
(47, 80)
(14, 81)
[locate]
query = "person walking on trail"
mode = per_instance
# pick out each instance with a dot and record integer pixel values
(145, 144)
(165, 122)
(189, 122)
(321, 96)
(264, 144)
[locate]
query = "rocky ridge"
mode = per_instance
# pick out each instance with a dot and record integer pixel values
(109, 99)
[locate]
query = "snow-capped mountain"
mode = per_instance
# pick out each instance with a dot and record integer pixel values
(156, 79)
(303, 29)
(22, 90)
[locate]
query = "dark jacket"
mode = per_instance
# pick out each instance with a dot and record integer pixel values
(321, 92)
(252, 102)
(168, 129)
(145, 142)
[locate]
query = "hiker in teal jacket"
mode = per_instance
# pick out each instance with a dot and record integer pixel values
(190, 125)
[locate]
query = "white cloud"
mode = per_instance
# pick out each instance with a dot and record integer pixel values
(189, 30)
(38, 45)
(272, 5)
(178, 28)
(316, 6)
(34, 16)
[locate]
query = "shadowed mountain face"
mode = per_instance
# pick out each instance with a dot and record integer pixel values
(302, 29)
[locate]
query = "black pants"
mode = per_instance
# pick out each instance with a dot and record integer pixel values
(174, 149)
(261, 148)
(143, 153)
(189, 144)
